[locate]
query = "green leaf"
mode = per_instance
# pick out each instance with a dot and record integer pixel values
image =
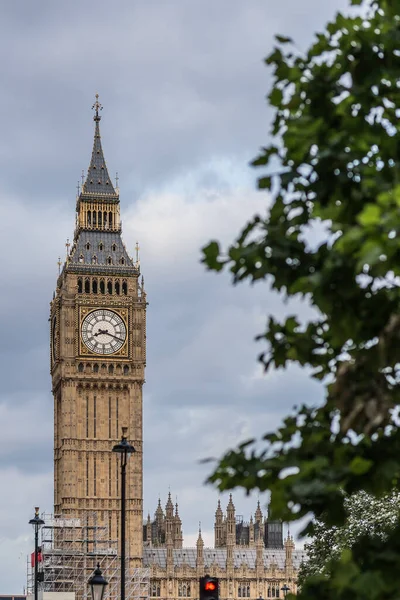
(283, 39)
(371, 215)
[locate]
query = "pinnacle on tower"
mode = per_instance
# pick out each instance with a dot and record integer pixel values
(169, 507)
(98, 181)
(218, 512)
(230, 509)
(258, 514)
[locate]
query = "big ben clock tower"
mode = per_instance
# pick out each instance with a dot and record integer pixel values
(98, 354)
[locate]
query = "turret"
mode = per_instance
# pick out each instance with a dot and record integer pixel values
(178, 536)
(259, 555)
(230, 523)
(149, 536)
(258, 516)
(218, 526)
(289, 547)
(170, 554)
(159, 514)
(251, 532)
(169, 508)
(200, 554)
(169, 518)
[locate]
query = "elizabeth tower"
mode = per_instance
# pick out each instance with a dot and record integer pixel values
(98, 354)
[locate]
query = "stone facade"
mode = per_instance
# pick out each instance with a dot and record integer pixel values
(98, 357)
(98, 377)
(249, 561)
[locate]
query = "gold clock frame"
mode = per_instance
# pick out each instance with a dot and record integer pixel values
(83, 350)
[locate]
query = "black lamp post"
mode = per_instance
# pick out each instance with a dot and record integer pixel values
(97, 584)
(37, 522)
(285, 589)
(125, 449)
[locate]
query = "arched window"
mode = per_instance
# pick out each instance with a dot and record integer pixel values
(99, 219)
(80, 367)
(124, 288)
(81, 258)
(111, 369)
(184, 590)
(94, 260)
(89, 217)
(117, 288)
(80, 287)
(126, 369)
(109, 260)
(113, 247)
(105, 220)
(102, 287)
(248, 591)
(94, 218)
(188, 590)
(158, 590)
(94, 286)
(87, 286)
(95, 368)
(101, 246)
(87, 245)
(122, 260)
(109, 286)
(240, 591)
(110, 220)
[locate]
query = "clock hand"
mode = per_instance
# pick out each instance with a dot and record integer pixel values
(100, 332)
(114, 336)
(106, 332)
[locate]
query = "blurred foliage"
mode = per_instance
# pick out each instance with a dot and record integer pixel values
(331, 171)
(366, 516)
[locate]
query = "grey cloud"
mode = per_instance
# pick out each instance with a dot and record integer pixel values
(180, 81)
(183, 86)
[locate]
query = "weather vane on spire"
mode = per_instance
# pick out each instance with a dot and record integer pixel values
(97, 107)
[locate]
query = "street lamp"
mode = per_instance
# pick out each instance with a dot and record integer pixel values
(36, 522)
(285, 589)
(97, 584)
(125, 449)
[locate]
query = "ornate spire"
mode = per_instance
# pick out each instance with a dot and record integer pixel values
(231, 507)
(98, 181)
(258, 514)
(159, 514)
(200, 546)
(169, 507)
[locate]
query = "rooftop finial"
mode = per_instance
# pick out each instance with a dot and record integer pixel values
(97, 107)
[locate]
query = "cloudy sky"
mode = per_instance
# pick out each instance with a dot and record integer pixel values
(183, 87)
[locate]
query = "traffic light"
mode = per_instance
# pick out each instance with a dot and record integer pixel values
(209, 588)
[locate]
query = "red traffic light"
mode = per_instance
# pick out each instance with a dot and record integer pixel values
(210, 586)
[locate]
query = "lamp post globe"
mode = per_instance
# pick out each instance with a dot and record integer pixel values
(285, 589)
(97, 584)
(36, 523)
(125, 449)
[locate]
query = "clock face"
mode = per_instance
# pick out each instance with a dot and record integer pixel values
(103, 331)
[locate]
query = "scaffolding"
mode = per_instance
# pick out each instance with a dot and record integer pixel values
(71, 550)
